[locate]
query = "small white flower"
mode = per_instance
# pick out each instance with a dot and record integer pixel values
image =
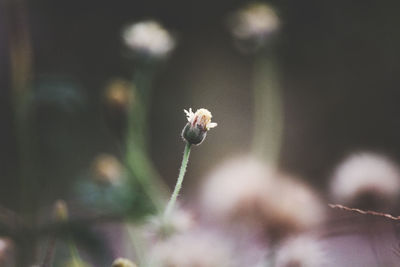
(202, 118)
(198, 124)
(149, 37)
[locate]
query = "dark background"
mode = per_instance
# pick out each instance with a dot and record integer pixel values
(339, 72)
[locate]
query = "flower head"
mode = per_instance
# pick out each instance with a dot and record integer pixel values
(195, 248)
(149, 38)
(301, 251)
(107, 169)
(366, 180)
(198, 124)
(60, 211)
(122, 262)
(255, 23)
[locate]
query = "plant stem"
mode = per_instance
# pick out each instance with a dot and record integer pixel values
(178, 185)
(268, 109)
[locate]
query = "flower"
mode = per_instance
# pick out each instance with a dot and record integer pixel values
(255, 22)
(366, 180)
(122, 262)
(149, 38)
(301, 251)
(106, 169)
(195, 248)
(198, 124)
(244, 190)
(119, 94)
(60, 211)
(180, 221)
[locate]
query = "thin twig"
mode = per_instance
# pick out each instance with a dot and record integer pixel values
(365, 212)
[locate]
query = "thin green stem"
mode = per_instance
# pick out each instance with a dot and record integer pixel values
(178, 186)
(268, 108)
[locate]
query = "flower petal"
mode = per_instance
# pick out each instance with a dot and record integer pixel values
(211, 125)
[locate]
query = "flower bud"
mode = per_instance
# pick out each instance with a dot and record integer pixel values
(122, 262)
(198, 124)
(107, 169)
(60, 211)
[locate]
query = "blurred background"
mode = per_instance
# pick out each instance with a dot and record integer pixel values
(337, 64)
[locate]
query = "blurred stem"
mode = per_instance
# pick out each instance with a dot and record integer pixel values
(20, 53)
(138, 244)
(74, 252)
(268, 110)
(137, 157)
(178, 186)
(48, 258)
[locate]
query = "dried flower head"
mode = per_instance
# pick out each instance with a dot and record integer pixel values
(149, 38)
(366, 180)
(198, 124)
(107, 169)
(301, 251)
(255, 22)
(200, 249)
(122, 262)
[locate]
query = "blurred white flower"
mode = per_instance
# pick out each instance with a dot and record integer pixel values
(366, 177)
(235, 189)
(150, 38)
(244, 190)
(255, 21)
(6, 252)
(301, 251)
(198, 248)
(180, 221)
(292, 206)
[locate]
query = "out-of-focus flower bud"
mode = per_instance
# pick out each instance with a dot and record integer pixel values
(60, 211)
(107, 169)
(119, 94)
(198, 124)
(122, 262)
